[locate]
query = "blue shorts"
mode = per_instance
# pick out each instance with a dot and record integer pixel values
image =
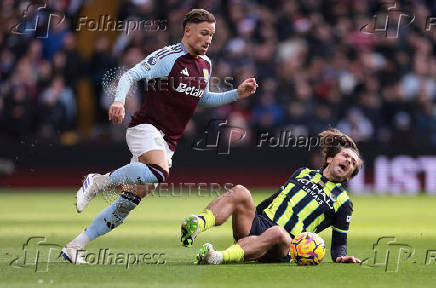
(260, 224)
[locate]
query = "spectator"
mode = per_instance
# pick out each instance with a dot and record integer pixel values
(356, 125)
(312, 62)
(268, 114)
(58, 108)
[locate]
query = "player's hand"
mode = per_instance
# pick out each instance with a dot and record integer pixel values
(117, 112)
(247, 88)
(348, 259)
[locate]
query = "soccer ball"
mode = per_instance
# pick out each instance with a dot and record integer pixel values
(307, 249)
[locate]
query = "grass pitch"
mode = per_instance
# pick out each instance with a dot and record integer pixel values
(154, 228)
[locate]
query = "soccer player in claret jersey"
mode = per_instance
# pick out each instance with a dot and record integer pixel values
(311, 200)
(158, 125)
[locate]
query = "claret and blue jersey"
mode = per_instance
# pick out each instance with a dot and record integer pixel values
(184, 84)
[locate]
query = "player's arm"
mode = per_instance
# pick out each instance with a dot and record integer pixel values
(149, 68)
(212, 99)
(340, 232)
(265, 203)
(116, 110)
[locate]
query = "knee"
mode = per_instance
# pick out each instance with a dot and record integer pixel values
(160, 173)
(279, 236)
(241, 194)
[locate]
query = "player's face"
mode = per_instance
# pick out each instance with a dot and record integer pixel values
(341, 166)
(199, 36)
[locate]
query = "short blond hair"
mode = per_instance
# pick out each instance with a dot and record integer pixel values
(198, 16)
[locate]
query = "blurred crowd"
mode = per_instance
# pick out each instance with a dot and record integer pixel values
(314, 65)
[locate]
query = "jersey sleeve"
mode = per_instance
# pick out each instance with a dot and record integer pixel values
(343, 215)
(265, 203)
(339, 245)
(213, 99)
(153, 66)
(341, 225)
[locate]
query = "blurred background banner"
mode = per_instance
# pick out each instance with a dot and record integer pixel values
(356, 65)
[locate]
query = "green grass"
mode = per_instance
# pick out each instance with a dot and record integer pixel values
(154, 228)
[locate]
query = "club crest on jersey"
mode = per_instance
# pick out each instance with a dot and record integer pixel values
(333, 197)
(206, 73)
(158, 141)
(190, 90)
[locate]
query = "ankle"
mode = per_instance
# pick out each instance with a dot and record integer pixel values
(80, 241)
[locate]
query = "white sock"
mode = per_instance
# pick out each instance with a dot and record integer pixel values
(215, 258)
(102, 181)
(81, 240)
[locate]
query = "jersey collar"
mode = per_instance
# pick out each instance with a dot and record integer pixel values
(325, 179)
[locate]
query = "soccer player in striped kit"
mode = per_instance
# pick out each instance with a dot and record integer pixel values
(184, 72)
(311, 200)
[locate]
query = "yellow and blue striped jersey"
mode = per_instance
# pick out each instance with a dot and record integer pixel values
(309, 202)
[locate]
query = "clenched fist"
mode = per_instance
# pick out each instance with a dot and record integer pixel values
(247, 87)
(117, 112)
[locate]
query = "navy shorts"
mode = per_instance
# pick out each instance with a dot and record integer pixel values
(260, 224)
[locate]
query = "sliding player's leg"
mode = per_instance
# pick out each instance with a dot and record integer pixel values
(237, 202)
(270, 246)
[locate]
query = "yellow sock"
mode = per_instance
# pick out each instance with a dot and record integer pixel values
(233, 254)
(206, 220)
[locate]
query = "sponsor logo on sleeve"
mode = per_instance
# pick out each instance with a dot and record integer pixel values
(152, 60)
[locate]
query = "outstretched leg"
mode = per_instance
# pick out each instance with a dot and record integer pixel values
(148, 170)
(151, 168)
(237, 202)
(271, 245)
